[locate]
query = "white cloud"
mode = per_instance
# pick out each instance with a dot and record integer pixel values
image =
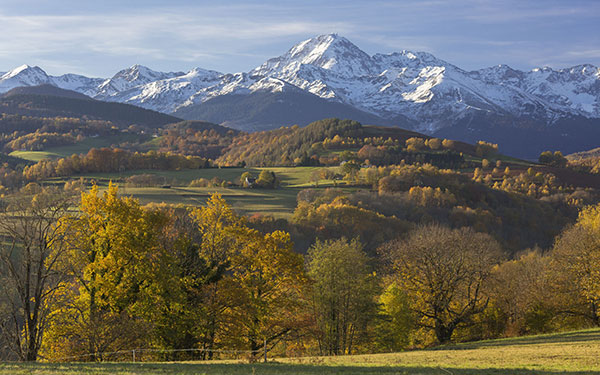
(174, 35)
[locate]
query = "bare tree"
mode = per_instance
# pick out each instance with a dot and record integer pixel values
(444, 272)
(30, 247)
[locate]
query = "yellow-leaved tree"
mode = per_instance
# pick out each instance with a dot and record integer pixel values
(265, 288)
(113, 268)
(575, 262)
(257, 297)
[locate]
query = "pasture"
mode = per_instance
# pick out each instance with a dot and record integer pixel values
(279, 202)
(81, 147)
(562, 353)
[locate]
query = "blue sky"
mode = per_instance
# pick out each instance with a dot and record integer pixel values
(98, 38)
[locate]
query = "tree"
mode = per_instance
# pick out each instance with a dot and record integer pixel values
(219, 231)
(522, 289)
(575, 258)
(444, 272)
(395, 322)
(343, 292)
(31, 247)
(434, 143)
(484, 149)
(555, 159)
(265, 288)
(115, 270)
(447, 143)
(245, 178)
(267, 179)
(351, 169)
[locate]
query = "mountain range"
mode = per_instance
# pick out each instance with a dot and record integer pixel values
(525, 112)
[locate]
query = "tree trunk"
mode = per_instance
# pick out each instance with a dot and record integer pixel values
(444, 332)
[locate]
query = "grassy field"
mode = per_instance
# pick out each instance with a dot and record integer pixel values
(564, 353)
(279, 202)
(78, 148)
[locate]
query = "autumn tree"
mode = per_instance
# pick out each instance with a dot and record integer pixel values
(555, 159)
(219, 229)
(31, 246)
(434, 143)
(343, 294)
(484, 149)
(576, 256)
(114, 265)
(523, 291)
(245, 178)
(395, 321)
(267, 179)
(265, 284)
(351, 169)
(444, 272)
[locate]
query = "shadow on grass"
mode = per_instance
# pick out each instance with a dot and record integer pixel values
(255, 369)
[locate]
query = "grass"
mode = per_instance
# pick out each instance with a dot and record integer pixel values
(279, 202)
(562, 353)
(81, 147)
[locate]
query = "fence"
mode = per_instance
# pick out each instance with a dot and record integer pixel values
(137, 355)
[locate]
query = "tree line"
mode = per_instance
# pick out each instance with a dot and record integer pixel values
(114, 275)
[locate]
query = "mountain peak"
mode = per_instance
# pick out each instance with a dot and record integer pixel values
(330, 52)
(23, 68)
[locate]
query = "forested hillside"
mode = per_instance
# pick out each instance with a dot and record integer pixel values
(396, 239)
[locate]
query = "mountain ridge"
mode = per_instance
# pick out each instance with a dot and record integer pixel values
(430, 93)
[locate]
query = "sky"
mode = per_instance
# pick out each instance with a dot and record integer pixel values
(99, 38)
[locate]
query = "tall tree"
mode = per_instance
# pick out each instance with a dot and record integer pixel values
(218, 230)
(343, 294)
(30, 248)
(265, 286)
(576, 260)
(444, 272)
(114, 268)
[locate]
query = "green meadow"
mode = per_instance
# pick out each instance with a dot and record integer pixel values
(279, 202)
(81, 147)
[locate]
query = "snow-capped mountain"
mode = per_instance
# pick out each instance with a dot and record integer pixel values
(23, 75)
(127, 79)
(169, 93)
(428, 91)
(26, 75)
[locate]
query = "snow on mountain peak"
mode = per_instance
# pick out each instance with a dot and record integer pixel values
(23, 75)
(25, 69)
(16, 71)
(129, 78)
(416, 85)
(330, 52)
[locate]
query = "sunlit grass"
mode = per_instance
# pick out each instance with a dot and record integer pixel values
(562, 353)
(279, 202)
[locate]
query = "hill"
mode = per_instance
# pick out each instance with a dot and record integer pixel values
(45, 90)
(523, 137)
(524, 112)
(321, 142)
(202, 126)
(36, 102)
(592, 153)
(266, 110)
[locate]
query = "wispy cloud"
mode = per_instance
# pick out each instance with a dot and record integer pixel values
(99, 38)
(165, 35)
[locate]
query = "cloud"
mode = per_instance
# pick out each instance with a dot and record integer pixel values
(174, 34)
(102, 37)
